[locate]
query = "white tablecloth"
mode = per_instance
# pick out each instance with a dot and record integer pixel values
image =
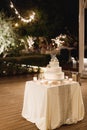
(50, 106)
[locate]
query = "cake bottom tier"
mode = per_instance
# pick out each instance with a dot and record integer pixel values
(54, 76)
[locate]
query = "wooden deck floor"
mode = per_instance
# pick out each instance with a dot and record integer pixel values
(11, 101)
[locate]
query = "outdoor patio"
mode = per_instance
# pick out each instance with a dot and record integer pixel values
(11, 102)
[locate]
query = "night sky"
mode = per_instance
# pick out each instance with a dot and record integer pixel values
(56, 10)
(66, 7)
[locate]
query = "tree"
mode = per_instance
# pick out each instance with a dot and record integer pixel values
(8, 37)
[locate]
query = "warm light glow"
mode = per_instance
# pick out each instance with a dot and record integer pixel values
(16, 25)
(30, 41)
(30, 19)
(58, 40)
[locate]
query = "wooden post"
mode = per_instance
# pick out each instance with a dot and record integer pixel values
(81, 36)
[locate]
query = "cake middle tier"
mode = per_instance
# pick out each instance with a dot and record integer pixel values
(54, 76)
(53, 69)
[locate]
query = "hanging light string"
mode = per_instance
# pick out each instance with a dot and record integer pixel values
(30, 19)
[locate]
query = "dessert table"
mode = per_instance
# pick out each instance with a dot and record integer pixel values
(52, 104)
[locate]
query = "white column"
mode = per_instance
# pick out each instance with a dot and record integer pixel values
(81, 36)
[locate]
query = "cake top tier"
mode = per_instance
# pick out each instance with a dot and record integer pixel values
(54, 58)
(54, 63)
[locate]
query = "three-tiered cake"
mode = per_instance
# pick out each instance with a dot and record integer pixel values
(53, 70)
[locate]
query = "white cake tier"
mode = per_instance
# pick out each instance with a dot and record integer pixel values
(54, 63)
(54, 76)
(53, 69)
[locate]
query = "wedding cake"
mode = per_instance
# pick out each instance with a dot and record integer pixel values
(53, 70)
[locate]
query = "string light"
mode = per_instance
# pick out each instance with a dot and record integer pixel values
(30, 19)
